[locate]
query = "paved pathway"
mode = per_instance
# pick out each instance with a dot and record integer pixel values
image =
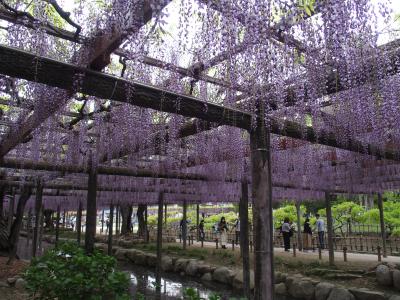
(313, 255)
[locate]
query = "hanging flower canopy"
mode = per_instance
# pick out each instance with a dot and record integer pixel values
(323, 72)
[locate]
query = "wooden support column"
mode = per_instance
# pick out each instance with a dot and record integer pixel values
(79, 223)
(299, 235)
(184, 225)
(110, 230)
(2, 194)
(58, 216)
(244, 238)
(262, 210)
(38, 212)
(11, 204)
(159, 241)
(328, 199)
(197, 222)
(146, 229)
(91, 210)
(102, 221)
(117, 220)
(382, 223)
(165, 214)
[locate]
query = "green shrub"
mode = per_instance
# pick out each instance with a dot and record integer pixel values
(68, 273)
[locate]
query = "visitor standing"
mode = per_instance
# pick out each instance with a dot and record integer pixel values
(201, 230)
(307, 235)
(222, 229)
(237, 231)
(286, 229)
(321, 231)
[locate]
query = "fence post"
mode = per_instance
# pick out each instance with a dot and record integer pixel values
(379, 253)
(216, 243)
(294, 249)
(202, 243)
(319, 253)
(345, 253)
(251, 246)
(233, 245)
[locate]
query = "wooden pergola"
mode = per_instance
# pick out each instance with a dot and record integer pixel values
(201, 117)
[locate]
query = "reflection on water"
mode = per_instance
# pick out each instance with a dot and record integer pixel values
(143, 281)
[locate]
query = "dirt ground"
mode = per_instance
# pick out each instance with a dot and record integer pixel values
(7, 271)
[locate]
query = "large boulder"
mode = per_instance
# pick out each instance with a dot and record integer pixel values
(206, 277)
(132, 255)
(384, 275)
(20, 284)
(366, 294)
(204, 268)
(223, 275)
(340, 294)
(192, 267)
(166, 264)
(396, 279)
(322, 290)
(302, 289)
(151, 259)
(280, 289)
(280, 277)
(238, 280)
(394, 297)
(180, 265)
(120, 254)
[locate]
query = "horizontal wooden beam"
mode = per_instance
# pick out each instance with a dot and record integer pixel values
(24, 65)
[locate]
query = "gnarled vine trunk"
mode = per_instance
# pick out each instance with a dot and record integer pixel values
(48, 220)
(141, 220)
(126, 216)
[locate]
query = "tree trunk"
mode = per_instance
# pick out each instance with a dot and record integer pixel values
(17, 224)
(79, 223)
(38, 209)
(159, 241)
(58, 224)
(11, 204)
(184, 225)
(244, 238)
(262, 210)
(2, 194)
(141, 220)
(126, 218)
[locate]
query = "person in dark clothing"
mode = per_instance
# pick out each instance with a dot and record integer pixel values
(286, 232)
(201, 230)
(307, 235)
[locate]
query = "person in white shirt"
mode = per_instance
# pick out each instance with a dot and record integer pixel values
(321, 231)
(286, 234)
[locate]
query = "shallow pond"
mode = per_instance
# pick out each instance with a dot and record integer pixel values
(173, 286)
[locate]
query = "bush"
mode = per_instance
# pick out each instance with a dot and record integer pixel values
(68, 273)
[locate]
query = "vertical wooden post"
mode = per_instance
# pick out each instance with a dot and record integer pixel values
(382, 223)
(244, 238)
(299, 235)
(117, 220)
(184, 224)
(197, 222)
(165, 214)
(2, 194)
(58, 224)
(11, 209)
(64, 219)
(262, 210)
(159, 241)
(330, 228)
(40, 231)
(146, 231)
(102, 221)
(79, 223)
(91, 209)
(345, 254)
(38, 209)
(29, 228)
(110, 229)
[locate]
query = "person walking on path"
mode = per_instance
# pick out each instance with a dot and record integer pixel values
(286, 229)
(223, 229)
(321, 231)
(307, 235)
